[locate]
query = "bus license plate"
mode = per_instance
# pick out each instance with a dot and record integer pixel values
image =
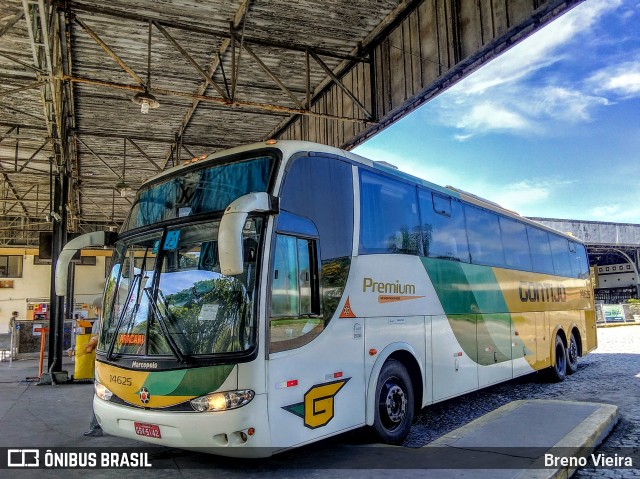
(148, 430)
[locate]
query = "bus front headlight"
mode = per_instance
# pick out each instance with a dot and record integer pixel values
(102, 392)
(222, 401)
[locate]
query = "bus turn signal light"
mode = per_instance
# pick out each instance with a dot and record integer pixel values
(373, 352)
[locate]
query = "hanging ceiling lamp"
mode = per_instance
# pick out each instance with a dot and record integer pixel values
(145, 99)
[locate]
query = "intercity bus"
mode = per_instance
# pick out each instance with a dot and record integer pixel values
(272, 295)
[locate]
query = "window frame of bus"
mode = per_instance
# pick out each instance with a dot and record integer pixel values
(451, 213)
(314, 315)
(411, 238)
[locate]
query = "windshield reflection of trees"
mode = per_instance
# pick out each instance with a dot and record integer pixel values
(208, 316)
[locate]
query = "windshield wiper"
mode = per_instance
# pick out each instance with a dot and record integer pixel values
(136, 278)
(175, 349)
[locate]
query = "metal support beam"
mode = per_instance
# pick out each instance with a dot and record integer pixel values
(247, 105)
(109, 51)
(94, 203)
(190, 59)
(56, 311)
(20, 62)
(338, 82)
(215, 63)
(144, 154)
(46, 142)
(277, 81)
(22, 112)
(8, 181)
(190, 27)
(12, 21)
(30, 86)
(98, 157)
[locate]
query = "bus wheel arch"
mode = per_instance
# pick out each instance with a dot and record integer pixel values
(404, 354)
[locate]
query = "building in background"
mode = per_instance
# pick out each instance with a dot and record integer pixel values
(614, 255)
(25, 282)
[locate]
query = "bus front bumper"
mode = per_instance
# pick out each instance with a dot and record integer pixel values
(242, 432)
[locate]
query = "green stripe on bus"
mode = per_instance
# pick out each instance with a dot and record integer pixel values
(188, 382)
(465, 288)
(476, 309)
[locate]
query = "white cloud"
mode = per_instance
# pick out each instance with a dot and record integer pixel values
(491, 117)
(622, 80)
(604, 211)
(521, 196)
(524, 195)
(536, 52)
(497, 98)
(563, 104)
(616, 212)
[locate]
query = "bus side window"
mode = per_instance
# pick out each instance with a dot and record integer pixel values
(295, 294)
(443, 229)
(389, 220)
(540, 250)
(579, 261)
(516, 244)
(560, 255)
(483, 231)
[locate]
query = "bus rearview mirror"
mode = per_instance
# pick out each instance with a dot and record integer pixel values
(230, 244)
(96, 238)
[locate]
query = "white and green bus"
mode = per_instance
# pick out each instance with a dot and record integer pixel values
(272, 295)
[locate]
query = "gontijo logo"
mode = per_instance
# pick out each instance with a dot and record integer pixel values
(318, 406)
(542, 292)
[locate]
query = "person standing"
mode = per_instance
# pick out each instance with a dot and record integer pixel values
(94, 427)
(12, 321)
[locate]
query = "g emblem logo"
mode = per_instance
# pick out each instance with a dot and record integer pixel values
(318, 406)
(145, 395)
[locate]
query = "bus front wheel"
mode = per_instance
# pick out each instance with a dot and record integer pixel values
(394, 403)
(558, 371)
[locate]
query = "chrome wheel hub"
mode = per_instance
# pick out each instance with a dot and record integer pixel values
(396, 403)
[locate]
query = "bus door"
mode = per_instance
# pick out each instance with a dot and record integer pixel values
(315, 367)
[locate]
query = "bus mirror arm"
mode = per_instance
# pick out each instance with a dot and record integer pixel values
(230, 246)
(96, 238)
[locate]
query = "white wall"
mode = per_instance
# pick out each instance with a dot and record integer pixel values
(34, 286)
(616, 276)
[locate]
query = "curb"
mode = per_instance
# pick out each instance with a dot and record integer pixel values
(616, 325)
(580, 442)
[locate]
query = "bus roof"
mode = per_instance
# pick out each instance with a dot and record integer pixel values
(289, 147)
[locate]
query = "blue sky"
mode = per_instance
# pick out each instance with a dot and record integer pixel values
(551, 128)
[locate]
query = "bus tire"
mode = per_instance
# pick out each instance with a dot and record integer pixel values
(558, 371)
(394, 403)
(572, 355)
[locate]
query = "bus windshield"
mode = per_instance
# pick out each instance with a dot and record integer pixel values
(202, 190)
(165, 295)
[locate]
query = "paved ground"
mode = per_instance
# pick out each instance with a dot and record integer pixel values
(608, 376)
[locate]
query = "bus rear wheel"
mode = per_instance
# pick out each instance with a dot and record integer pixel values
(394, 404)
(572, 355)
(558, 371)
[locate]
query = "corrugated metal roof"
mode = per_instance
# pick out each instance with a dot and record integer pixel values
(100, 113)
(225, 73)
